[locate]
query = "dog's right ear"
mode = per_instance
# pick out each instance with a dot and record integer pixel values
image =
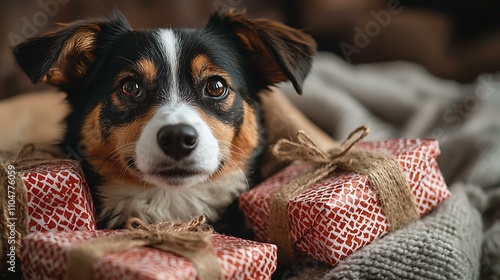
(65, 55)
(275, 51)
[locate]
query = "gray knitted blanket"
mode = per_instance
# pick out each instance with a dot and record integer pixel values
(460, 239)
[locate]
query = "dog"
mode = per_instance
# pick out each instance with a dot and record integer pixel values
(166, 122)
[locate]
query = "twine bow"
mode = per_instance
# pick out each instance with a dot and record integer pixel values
(189, 239)
(305, 149)
(384, 174)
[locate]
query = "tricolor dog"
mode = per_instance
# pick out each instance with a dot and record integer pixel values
(166, 121)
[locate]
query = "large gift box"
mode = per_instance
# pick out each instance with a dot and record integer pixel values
(341, 213)
(45, 256)
(59, 198)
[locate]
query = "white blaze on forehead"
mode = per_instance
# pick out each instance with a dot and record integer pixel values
(170, 44)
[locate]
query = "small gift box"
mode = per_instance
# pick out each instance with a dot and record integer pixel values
(332, 204)
(59, 198)
(40, 194)
(160, 251)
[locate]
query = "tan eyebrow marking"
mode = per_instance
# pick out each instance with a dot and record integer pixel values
(147, 69)
(123, 75)
(202, 67)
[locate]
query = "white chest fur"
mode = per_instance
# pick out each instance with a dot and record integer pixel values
(154, 204)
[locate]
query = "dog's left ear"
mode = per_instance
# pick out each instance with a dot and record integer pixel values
(65, 56)
(275, 51)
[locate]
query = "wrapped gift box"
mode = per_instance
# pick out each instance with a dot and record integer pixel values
(59, 198)
(44, 256)
(341, 214)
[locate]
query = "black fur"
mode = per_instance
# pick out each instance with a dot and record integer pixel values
(117, 47)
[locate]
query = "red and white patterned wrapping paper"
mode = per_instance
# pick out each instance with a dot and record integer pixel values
(59, 198)
(44, 256)
(341, 214)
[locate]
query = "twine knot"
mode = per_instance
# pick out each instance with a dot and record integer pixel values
(192, 235)
(189, 239)
(304, 148)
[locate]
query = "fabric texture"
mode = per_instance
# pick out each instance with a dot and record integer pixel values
(443, 245)
(461, 238)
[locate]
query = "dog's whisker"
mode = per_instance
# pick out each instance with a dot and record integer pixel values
(236, 169)
(117, 152)
(237, 150)
(239, 172)
(124, 169)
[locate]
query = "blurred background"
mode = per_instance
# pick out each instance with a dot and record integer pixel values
(454, 40)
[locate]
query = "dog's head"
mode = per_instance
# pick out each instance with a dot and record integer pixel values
(168, 108)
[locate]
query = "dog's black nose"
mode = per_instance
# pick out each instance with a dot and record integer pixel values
(177, 141)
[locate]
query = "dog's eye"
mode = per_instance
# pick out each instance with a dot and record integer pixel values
(132, 90)
(216, 87)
